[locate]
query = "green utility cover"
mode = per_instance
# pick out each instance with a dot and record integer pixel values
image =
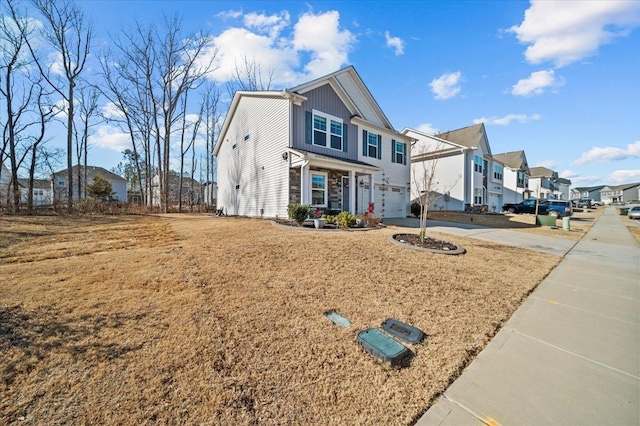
(402, 331)
(382, 346)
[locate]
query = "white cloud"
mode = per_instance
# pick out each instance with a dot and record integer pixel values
(428, 129)
(111, 138)
(396, 43)
(320, 35)
(624, 176)
(230, 14)
(536, 83)
(609, 153)
(585, 180)
(507, 119)
(271, 25)
(566, 31)
(110, 111)
(549, 164)
(568, 174)
(264, 39)
(447, 85)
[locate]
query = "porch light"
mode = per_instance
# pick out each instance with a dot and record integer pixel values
(285, 156)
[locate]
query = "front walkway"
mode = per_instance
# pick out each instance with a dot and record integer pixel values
(570, 354)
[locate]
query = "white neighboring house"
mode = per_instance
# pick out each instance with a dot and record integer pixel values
(42, 192)
(516, 176)
(544, 183)
(59, 183)
(5, 180)
(620, 193)
(466, 173)
(325, 143)
(564, 189)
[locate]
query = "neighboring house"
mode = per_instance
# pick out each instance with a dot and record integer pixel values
(60, 188)
(191, 192)
(466, 174)
(592, 192)
(543, 183)
(42, 193)
(564, 189)
(5, 180)
(516, 176)
(325, 143)
(210, 193)
(620, 193)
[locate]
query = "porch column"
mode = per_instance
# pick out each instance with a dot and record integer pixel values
(305, 198)
(371, 189)
(352, 192)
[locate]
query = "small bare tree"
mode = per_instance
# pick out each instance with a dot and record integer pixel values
(427, 188)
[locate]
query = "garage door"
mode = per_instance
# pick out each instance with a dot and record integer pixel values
(392, 200)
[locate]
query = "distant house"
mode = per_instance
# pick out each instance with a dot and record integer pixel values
(5, 180)
(592, 192)
(210, 193)
(516, 176)
(620, 193)
(544, 183)
(466, 172)
(42, 192)
(564, 189)
(325, 143)
(60, 188)
(191, 191)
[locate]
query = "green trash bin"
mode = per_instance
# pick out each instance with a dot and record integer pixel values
(546, 220)
(624, 211)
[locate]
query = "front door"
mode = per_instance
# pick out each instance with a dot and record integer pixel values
(345, 193)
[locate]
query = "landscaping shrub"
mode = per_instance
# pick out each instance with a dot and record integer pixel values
(371, 220)
(298, 212)
(345, 220)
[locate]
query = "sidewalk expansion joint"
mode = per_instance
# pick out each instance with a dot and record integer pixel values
(583, 310)
(577, 355)
(463, 407)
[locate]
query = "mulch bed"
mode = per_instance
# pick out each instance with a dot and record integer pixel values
(429, 243)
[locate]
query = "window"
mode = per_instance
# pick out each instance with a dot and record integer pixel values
(477, 163)
(318, 189)
(326, 130)
(371, 145)
(497, 172)
(234, 146)
(477, 199)
(522, 180)
(246, 137)
(60, 181)
(398, 152)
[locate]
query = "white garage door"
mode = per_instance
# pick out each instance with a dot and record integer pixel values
(392, 200)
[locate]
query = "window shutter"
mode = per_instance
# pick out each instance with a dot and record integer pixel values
(404, 157)
(365, 136)
(379, 147)
(393, 150)
(308, 125)
(345, 141)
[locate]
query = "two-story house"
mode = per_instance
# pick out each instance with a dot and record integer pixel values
(59, 187)
(620, 193)
(464, 172)
(516, 176)
(325, 143)
(543, 183)
(592, 192)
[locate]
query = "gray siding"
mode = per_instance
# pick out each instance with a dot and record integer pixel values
(326, 100)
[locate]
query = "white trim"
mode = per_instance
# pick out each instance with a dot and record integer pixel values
(326, 188)
(327, 132)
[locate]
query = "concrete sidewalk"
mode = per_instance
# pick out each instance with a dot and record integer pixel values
(553, 245)
(570, 355)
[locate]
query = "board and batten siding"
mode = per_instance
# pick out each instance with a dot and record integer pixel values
(324, 99)
(359, 99)
(253, 178)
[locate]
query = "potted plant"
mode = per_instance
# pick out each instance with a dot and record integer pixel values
(318, 223)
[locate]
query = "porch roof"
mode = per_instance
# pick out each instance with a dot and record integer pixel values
(335, 162)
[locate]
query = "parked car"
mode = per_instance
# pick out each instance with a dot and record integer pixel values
(557, 208)
(634, 212)
(585, 203)
(595, 203)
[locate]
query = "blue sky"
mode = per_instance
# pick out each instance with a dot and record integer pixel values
(560, 80)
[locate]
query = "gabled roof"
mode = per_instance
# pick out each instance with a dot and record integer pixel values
(470, 136)
(37, 183)
(564, 181)
(588, 188)
(515, 159)
(542, 172)
(354, 93)
(347, 84)
(623, 187)
(92, 172)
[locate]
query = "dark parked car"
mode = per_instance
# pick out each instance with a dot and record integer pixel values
(585, 203)
(557, 208)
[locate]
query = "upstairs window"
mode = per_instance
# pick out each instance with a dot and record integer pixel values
(371, 145)
(398, 152)
(477, 163)
(497, 172)
(326, 131)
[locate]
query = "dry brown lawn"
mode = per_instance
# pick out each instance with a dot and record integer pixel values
(581, 222)
(194, 319)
